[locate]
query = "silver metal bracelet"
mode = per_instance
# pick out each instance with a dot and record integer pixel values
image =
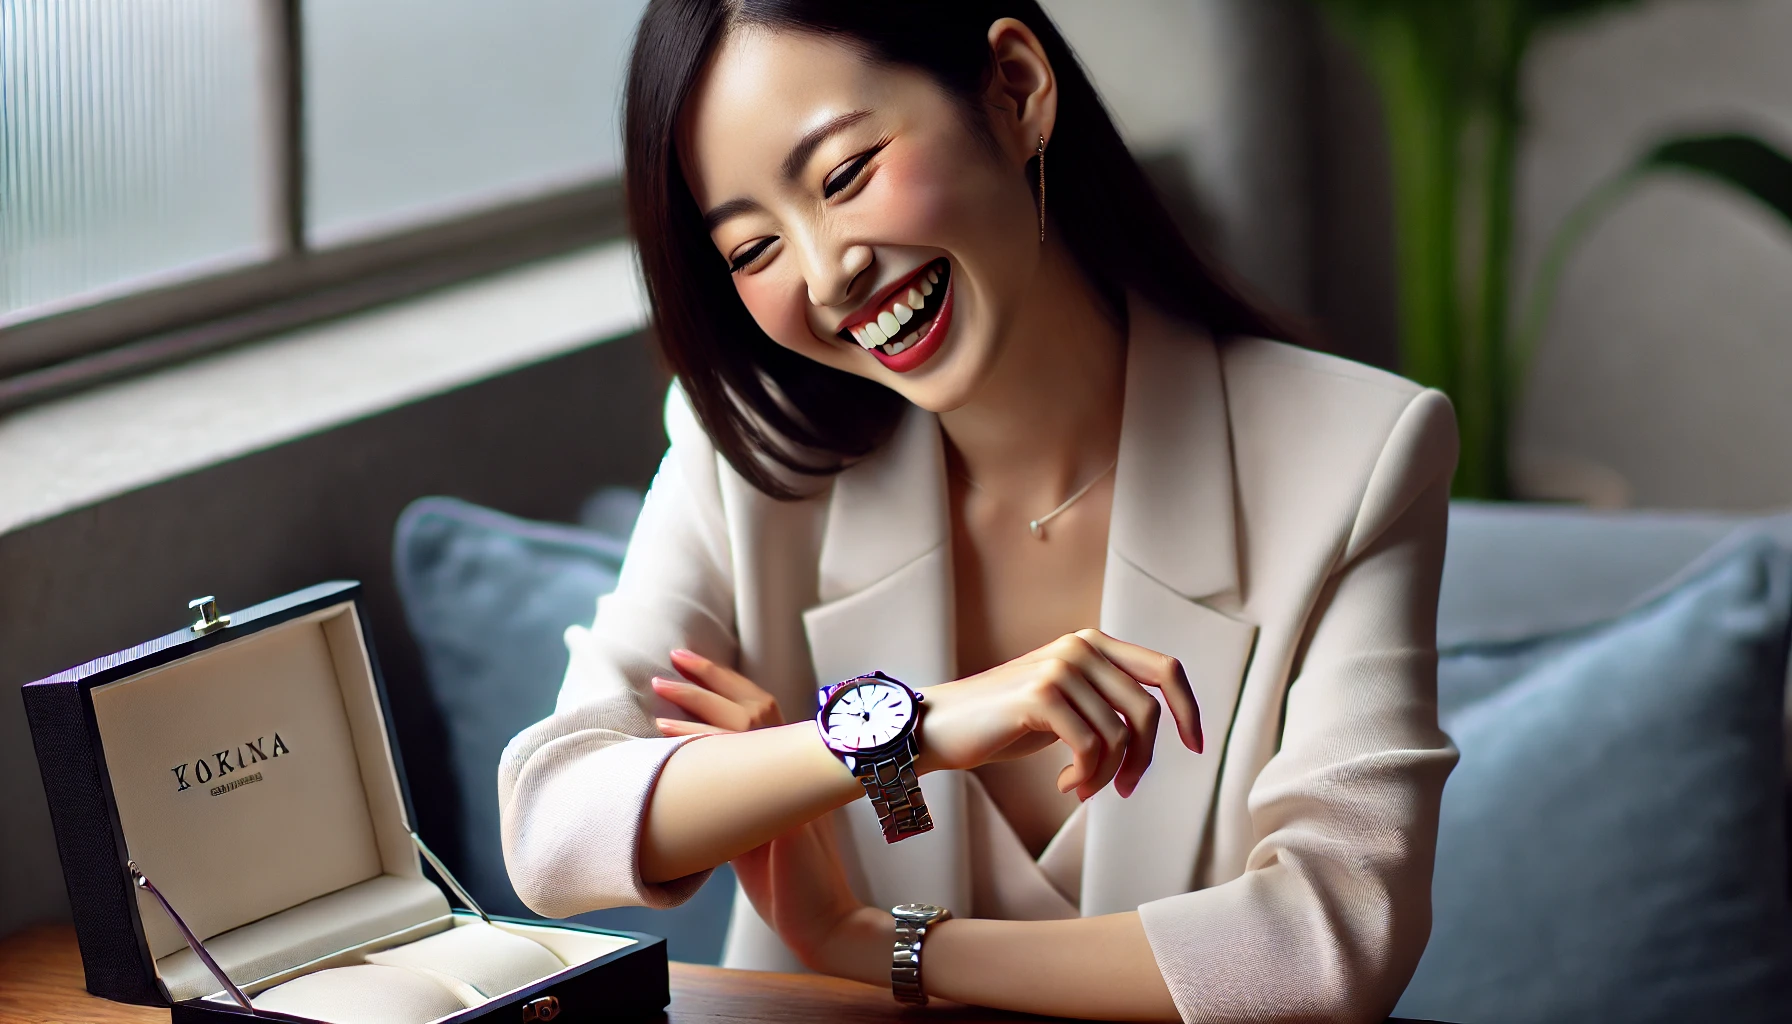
(912, 922)
(895, 793)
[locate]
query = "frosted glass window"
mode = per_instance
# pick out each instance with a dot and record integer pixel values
(131, 147)
(418, 110)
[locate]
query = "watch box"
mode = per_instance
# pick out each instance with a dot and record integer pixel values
(233, 821)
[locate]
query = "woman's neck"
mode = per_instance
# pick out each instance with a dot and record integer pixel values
(1048, 417)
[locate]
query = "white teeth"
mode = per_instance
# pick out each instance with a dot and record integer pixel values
(882, 332)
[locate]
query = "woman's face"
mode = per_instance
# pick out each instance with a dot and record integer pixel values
(865, 224)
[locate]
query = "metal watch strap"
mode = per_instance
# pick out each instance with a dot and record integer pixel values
(905, 955)
(895, 792)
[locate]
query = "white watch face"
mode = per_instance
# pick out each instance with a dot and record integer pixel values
(869, 715)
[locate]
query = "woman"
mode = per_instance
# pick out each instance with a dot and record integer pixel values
(957, 404)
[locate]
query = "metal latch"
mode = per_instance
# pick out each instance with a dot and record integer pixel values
(209, 619)
(544, 1009)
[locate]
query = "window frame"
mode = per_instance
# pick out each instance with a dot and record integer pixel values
(64, 351)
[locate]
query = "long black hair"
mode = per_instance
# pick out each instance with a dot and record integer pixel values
(766, 407)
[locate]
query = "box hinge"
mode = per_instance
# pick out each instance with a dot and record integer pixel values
(142, 882)
(448, 876)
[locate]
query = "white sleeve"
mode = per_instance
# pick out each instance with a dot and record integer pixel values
(573, 789)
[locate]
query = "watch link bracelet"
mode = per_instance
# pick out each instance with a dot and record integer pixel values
(869, 722)
(912, 922)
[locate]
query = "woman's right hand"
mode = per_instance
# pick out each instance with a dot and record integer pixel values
(1086, 689)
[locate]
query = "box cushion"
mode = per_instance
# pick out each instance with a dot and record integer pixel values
(362, 994)
(1612, 845)
(491, 960)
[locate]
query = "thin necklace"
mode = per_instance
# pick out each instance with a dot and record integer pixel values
(1037, 526)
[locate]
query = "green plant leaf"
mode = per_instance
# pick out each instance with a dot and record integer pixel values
(1742, 162)
(1550, 10)
(1734, 159)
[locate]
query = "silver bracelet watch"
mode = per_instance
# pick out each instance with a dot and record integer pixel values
(869, 722)
(912, 922)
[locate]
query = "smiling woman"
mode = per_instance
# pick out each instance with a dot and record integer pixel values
(917, 292)
(920, 155)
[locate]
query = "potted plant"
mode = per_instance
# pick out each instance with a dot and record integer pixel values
(1449, 75)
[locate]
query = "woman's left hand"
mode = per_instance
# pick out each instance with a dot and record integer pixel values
(796, 882)
(719, 698)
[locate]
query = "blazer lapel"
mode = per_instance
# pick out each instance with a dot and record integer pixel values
(1172, 540)
(886, 603)
(886, 592)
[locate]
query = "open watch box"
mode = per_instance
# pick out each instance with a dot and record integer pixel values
(233, 822)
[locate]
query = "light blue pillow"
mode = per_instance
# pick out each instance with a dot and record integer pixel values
(1613, 842)
(488, 597)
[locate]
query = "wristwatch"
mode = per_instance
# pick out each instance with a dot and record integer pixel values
(869, 723)
(912, 922)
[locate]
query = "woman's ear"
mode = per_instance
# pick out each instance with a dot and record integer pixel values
(1023, 91)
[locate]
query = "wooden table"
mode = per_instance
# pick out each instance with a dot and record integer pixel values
(40, 983)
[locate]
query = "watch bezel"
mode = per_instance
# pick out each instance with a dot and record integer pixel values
(918, 913)
(833, 693)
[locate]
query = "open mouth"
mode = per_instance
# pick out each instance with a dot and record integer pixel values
(903, 318)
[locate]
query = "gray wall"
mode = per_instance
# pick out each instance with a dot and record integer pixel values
(1669, 357)
(1221, 86)
(534, 442)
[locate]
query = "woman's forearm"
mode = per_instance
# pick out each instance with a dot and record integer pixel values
(1095, 967)
(722, 795)
(1098, 968)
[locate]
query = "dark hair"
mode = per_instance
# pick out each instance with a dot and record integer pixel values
(766, 407)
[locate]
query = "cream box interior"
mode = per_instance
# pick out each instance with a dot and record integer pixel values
(257, 789)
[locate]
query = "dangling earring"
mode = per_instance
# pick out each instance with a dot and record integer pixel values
(1041, 152)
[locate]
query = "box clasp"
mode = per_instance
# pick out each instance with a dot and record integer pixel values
(544, 1009)
(209, 619)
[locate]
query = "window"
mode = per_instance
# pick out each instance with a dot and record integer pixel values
(178, 175)
(130, 152)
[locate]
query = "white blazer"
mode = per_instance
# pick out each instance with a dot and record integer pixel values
(1278, 525)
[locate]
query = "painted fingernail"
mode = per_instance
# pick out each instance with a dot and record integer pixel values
(661, 682)
(687, 654)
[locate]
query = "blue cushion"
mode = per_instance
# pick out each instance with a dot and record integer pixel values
(1514, 571)
(1612, 845)
(489, 597)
